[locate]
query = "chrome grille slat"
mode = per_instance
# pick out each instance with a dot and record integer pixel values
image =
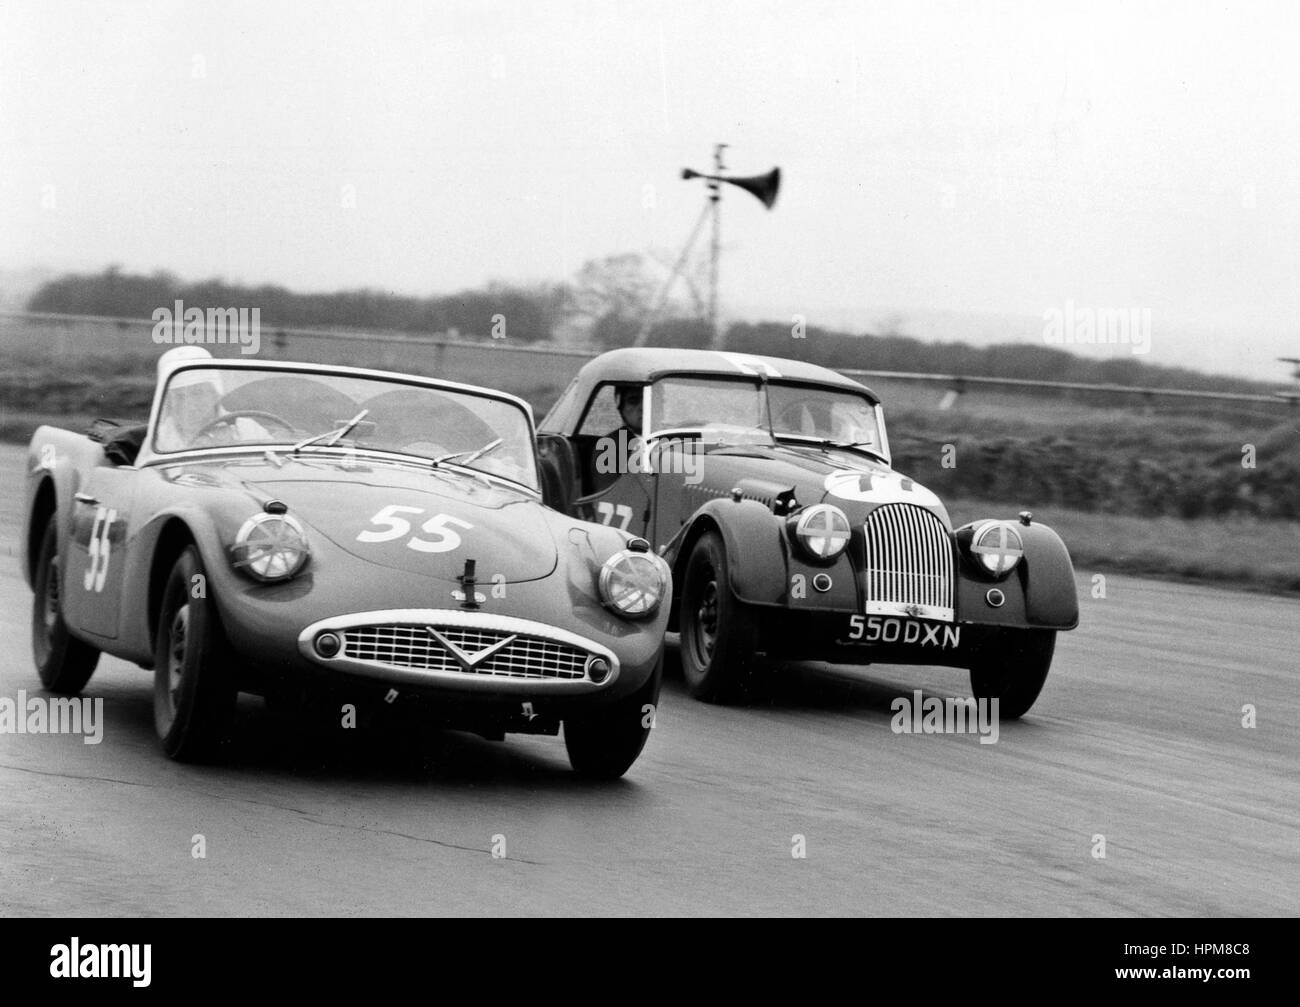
(405, 646)
(910, 563)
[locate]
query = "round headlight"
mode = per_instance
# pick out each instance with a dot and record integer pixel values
(632, 583)
(270, 547)
(823, 531)
(997, 548)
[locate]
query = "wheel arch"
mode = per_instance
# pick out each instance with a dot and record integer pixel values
(173, 538)
(757, 555)
(1051, 598)
(43, 507)
(695, 530)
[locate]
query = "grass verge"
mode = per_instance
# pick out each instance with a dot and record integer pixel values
(1233, 551)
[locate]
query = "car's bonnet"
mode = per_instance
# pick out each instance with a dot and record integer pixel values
(848, 479)
(400, 517)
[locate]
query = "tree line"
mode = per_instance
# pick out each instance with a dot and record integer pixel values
(604, 305)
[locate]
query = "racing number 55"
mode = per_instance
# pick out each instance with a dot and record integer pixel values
(99, 545)
(447, 538)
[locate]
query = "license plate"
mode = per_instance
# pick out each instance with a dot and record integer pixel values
(908, 632)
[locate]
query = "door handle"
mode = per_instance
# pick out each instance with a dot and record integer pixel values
(85, 498)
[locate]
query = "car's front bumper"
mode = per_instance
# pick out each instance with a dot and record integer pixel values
(273, 629)
(463, 651)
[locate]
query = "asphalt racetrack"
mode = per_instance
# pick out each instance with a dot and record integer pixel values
(1137, 738)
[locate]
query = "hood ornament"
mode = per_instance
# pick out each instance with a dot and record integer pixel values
(467, 596)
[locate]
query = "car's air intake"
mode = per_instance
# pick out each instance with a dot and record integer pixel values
(910, 563)
(457, 650)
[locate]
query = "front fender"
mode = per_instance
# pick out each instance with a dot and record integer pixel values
(1051, 600)
(757, 553)
(153, 549)
(1040, 592)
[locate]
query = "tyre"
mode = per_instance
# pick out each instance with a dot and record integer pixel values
(63, 662)
(1012, 669)
(193, 691)
(603, 744)
(720, 637)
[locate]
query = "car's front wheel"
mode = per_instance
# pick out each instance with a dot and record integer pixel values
(193, 689)
(63, 662)
(604, 744)
(720, 636)
(1012, 669)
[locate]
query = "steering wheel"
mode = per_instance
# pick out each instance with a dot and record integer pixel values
(211, 427)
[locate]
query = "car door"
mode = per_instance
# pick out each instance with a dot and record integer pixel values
(677, 462)
(93, 567)
(625, 505)
(623, 485)
(614, 486)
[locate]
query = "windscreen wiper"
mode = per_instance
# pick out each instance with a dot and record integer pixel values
(468, 456)
(335, 435)
(867, 446)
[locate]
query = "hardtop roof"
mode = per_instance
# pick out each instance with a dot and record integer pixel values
(640, 364)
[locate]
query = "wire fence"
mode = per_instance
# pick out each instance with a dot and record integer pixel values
(539, 367)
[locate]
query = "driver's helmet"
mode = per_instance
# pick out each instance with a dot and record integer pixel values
(170, 360)
(192, 401)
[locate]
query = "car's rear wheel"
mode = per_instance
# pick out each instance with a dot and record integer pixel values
(63, 662)
(194, 691)
(604, 744)
(720, 635)
(1012, 668)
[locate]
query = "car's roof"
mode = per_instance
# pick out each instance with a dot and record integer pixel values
(637, 364)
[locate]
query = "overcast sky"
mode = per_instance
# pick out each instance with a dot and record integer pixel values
(970, 158)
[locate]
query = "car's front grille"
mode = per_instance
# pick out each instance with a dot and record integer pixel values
(408, 646)
(910, 563)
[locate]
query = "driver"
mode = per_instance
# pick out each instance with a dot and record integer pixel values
(192, 402)
(617, 452)
(190, 406)
(630, 401)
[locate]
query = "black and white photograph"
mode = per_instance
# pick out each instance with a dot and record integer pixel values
(651, 459)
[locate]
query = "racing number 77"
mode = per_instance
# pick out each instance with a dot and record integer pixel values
(607, 511)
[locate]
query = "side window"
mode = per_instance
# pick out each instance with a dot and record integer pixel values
(602, 415)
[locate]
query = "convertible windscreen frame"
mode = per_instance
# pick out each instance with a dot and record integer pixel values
(763, 385)
(152, 455)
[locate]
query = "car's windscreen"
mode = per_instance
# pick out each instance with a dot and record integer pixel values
(703, 403)
(205, 407)
(824, 414)
(796, 411)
